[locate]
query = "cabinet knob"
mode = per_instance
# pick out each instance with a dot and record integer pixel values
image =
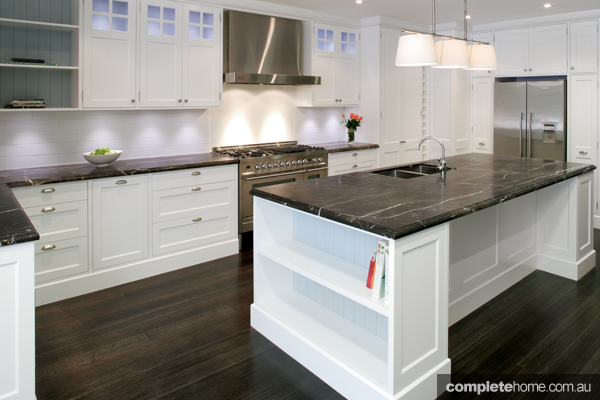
(121, 182)
(197, 219)
(49, 190)
(583, 152)
(196, 189)
(180, 100)
(354, 154)
(133, 100)
(525, 69)
(186, 100)
(530, 69)
(48, 247)
(354, 166)
(402, 141)
(572, 68)
(196, 173)
(489, 72)
(48, 209)
(481, 144)
(340, 100)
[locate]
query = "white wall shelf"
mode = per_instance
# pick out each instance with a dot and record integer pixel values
(59, 67)
(339, 275)
(48, 26)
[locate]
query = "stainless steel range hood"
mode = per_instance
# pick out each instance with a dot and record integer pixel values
(258, 49)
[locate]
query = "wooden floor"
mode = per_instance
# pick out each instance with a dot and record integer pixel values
(187, 335)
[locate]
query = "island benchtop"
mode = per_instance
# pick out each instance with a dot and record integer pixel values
(394, 207)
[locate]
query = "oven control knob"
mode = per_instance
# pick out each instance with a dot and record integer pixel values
(257, 166)
(304, 161)
(320, 159)
(293, 162)
(263, 166)
(287, 163)
(314, 159)
(281, 164)
(269, 165)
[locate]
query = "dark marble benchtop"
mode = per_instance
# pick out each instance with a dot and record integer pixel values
(338, 147)
(15, 227)
(394, 207)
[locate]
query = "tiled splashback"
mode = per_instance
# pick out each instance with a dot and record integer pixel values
(250, 114)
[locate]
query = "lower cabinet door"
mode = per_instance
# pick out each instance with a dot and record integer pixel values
(60, 259)
(120, 220)
(59, 221)
(186, 233)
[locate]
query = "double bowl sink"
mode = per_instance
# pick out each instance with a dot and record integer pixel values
(411, 171)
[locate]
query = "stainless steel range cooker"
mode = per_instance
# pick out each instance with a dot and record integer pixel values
(268, 164)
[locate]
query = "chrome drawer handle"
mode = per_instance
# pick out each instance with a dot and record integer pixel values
(122, 182)
(354, 154)
(48, 247)
(583, 152)
(49, 190)
(196, 173)
(198, 219)
(481, 144)
(48, 209)
(354, 166)
(196, 189)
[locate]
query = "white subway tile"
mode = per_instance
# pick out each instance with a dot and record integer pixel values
(2, 163)
(31, 126)
(71, 158)
(16, 115)
(30, 162)
(15, 151)
(32, 137)
(81, 124)
(5, 139)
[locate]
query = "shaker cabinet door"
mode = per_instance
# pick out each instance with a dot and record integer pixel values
(548, 50)
(109, 40)
(584, 47)
(512, 52)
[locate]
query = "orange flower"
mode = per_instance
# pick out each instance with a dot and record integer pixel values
(343, 115)
(351, 115)
(360, 119)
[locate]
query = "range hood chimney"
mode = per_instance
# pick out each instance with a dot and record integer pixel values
(258, 49)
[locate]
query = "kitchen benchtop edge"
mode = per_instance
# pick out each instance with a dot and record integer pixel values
(342, 146)
(15, 226)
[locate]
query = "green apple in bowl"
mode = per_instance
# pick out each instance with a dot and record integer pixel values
(102, 156)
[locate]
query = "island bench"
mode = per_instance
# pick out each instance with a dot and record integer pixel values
(455, 242)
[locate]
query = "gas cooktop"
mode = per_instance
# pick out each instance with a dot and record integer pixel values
(265, 149)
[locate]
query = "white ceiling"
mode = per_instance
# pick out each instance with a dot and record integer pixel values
(419, 11)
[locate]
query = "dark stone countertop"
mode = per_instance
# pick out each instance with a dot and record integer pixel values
(338, 147)
(394, 207)
(15, 227)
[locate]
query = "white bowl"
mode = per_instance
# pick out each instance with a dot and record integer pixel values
(103, 160)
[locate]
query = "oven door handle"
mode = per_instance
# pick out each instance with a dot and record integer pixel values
(317, 169)
(275, 175)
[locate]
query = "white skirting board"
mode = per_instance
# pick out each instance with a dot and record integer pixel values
(103, 279)
(596, 221)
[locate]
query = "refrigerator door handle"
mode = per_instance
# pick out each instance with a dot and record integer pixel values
(529, 150)
(521, 135)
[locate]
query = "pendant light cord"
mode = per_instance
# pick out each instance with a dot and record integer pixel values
(465, 20)
(433, 17)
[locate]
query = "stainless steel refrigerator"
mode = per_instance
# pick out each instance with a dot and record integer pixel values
(530, 118)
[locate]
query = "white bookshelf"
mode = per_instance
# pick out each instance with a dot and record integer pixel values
(56, 67)
(47, 26)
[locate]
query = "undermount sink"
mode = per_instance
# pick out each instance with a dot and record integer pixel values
(410, 171)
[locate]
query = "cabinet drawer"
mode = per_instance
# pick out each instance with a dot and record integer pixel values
(352, 157)
(43, 195)
(59, 221)
(186, 233)
(481, 146)
(60, 259)
(345, 169)
(194, 177)
(192, 201)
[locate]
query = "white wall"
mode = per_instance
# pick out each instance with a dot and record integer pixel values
(250, 114)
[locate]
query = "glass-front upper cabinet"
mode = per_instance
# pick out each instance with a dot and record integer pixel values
(109, 54)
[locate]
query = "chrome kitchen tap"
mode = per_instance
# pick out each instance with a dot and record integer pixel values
(441, 161)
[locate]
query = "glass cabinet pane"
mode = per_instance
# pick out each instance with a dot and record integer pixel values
(321, 33)
(154, 12)
(344, 36)
(194, 17)
(100, 22)
(352, 49)
(100, 6)
(208, 19)
(352, 38)
(168, 14)
(329, 35)
(120, 24)
(153, 28)
(195, 32)
(120, 8)
(168, 29)
(344, 47)
(208, 33)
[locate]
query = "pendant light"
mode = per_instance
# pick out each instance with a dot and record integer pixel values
(417, 50)
(482, 57)
(453, 53)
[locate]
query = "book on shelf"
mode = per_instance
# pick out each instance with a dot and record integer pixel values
(371, 271)
(34, 103)
(387, 273)
(379, 274)
(30, 61)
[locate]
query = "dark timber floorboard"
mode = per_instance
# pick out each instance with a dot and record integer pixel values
(186, 335)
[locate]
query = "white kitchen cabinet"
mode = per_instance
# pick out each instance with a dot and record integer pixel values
(482, 114)
(485, 37)
(402, 106)
(336, 59)
(352, 161)
(119, 220)
(583, 121)
(539, 50)
(109, 79)
(179, 54)
(584, 47)
(61, 259)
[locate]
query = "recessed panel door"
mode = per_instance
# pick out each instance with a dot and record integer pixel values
(546, 118)
(160, 54)
(510, 109)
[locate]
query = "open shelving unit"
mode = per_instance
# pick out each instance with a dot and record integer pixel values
(41, 29)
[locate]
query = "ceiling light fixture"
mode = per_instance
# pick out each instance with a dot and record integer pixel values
(467, 16)
(420, 50)
(359, 1)
(547, 5)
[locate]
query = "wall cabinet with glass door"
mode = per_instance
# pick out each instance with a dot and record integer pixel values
(47, 31)
(335, 58)
(180, 56)
(539, 50)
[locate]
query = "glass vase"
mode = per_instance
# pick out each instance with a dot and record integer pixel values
(351, 133)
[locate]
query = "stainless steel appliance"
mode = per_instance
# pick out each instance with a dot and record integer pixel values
(259, 49)
(268, 164)
(530, 118)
